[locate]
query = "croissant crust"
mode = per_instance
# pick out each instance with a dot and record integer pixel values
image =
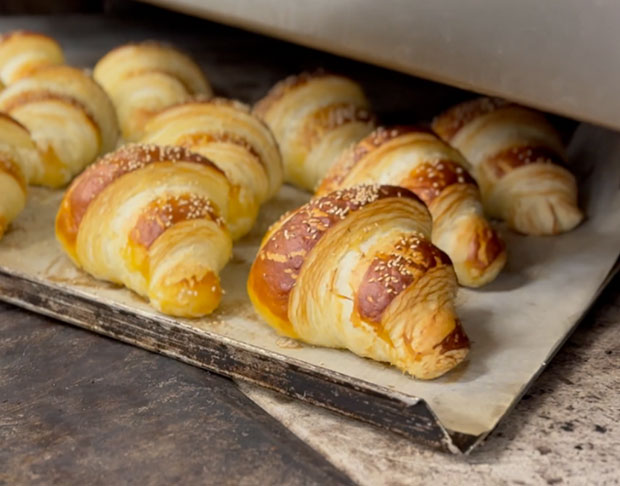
(153, 219)
(354, 269)
(69, 117)
(240, 144)
(519, 162)
(414, 158)
(314, 116)
(144, 78)
(22, 52)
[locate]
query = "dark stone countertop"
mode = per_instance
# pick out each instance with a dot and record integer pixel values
(77, 408)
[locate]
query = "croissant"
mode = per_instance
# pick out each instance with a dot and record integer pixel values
(22, 52)
(416, 159)
(355, 269)
(314, 117)
(144, 78)
(153, 219)
(519, 163)
(16, 153)
(69, 117)
(241, 145)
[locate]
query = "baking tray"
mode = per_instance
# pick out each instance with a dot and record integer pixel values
(516, 324)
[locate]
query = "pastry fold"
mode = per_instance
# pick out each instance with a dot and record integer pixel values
(518, 160)
(415, 159)
(22, 52)
(314, 117)
(355, 269)
(17, 151)
(69, 117)
(236, 141)
(146, 77)
(151, 218)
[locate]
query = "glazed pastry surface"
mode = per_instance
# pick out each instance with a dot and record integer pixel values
(237, 142)
(314, 117)
(355, 269)
(22, 52)
(519, 163)
(69, 117)
(144, 78)
(414, 158)
(151, 218)
(17, 153)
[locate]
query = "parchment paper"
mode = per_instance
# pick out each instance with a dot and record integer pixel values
(515, 324)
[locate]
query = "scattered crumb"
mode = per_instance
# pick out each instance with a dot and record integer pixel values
(288, 343)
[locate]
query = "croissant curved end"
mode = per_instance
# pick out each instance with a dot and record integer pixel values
(13, 196)
(538, 200)
(66, 229)
(442, 359)
(543, 215)
(477, 251)
(189, 297)
(427, 337)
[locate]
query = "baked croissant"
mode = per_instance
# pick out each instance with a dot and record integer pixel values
(22, 52)
(153, 219)
(69, 117)
(355, 269)
(518, 161)
(416, 159)
(240, 144)
(16, 154)
(144, 78)
(314, 117)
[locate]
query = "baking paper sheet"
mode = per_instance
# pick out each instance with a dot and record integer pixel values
(515, 324)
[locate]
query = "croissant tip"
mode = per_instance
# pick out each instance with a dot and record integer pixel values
(436, 366)
(551, 217)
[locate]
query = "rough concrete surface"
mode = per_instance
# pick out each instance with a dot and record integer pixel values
(565, 430)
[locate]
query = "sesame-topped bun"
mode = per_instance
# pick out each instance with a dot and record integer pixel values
(518, 160)
(314, 116)
(414, 158)
(355, 269)
(154, 219)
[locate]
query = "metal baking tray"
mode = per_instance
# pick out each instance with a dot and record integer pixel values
(516, 324)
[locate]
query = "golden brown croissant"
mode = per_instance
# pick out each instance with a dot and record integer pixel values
(16, 154)
(240, 144)
(22, 52)
(416, 159)
(69, 117)
(153, 219)
(314, 117)
(355, 269)
(518, 161)
(144, 78)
